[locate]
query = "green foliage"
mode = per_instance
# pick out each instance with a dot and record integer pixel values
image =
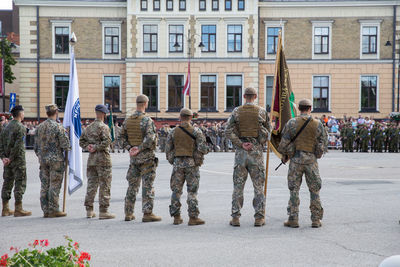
(5, 48)
(39, 255)
(395, 116)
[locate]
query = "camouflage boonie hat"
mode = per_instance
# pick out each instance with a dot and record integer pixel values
(51, 107)
(305, 103)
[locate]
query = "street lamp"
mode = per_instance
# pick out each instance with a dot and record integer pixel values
(388, 43)
(3, 54)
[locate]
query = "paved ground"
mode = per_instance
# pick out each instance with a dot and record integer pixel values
(361, 197)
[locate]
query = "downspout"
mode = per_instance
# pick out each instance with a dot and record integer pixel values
(37, 64)
(258, 56)
(394, 59)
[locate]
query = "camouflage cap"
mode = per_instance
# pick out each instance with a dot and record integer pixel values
(142, 99)
(186, 112)
(250, 91)
(51, 108)
(305, 103)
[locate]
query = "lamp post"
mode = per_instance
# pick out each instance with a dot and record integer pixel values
(190, 42)
(388, 43)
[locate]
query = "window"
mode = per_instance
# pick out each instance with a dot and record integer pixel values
(215, 5)
(233, 91)
(369, 39)
(208, 38)
(111, 39)
(228, 4)
(150, 88)
(61, 40)
(234, 38)
(156, 5)
(268, 93)
(175, 92)
(182, 5)
(170, 5)
(369, 93)
(202, 5)
(150, 38)
(240, 4)
(175, 36)
(321, 40)
(61, 86)
(272, 39)
(208, 93)
(112, 92)
(321, 93)
(143, 5)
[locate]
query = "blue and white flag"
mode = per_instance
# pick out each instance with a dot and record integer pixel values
(72, 119)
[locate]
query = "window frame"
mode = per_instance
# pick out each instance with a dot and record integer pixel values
(166, 5)
(226, 109)
(377, 94)
(179, 3)
(244, 5)
(151, 109)
(151, 34)
(112, 24)
(234, 34)
(62, 109)
(266, 91)
(328, 99)
(120, 91)
(273, 24)
(276, 38)
(370, 23)
(322, 24)
(141, 5)
(159, 5)
(228, 9)
(176, 34)
(215, 93)
(169, 109)
(205, 5)
(60, 23)
(208, 36)
(212, 5)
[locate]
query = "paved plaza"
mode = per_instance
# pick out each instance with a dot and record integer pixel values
(360, 195)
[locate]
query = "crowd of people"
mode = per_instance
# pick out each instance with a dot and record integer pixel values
(362, 134)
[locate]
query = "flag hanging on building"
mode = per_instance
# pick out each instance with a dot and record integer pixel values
(283, 106)
(1, 76)
(72, 120)
(186, 88)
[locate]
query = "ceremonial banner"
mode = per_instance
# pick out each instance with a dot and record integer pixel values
(283, 106)
(72, 120)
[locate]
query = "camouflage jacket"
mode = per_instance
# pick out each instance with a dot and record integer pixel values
(12, 143)
(303, 157)
(98, 135)
(148, 145)
(232, 131)
(185, 162)
(51, 141)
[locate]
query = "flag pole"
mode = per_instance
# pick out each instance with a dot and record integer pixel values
(266, 170)
(65, 180)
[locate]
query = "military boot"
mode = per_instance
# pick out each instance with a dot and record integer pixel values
(6, 210)
(150, 217)
(259, 222)
(316, 224)
(177, 220)
(292, 222)
(129, 217)
(196, 221)
(19, 211)
(56, 214)
(90, 213)
(104, 215)
(235, 222)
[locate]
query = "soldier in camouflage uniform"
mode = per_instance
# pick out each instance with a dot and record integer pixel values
(140, 138)
(51, 141)
(349, 134)
(364, 138)
(303, 153)
(185, 151)
(249, 129)
(163, 134)
(373, 135)
(96, 138)
(12, 153)
(394, 138)
(379, 137)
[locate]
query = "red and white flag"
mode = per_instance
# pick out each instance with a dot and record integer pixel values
(186, 88)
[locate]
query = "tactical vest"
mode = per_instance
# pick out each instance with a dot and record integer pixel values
(248, 121)
(135, 136)
(184, 144)
(306, 140)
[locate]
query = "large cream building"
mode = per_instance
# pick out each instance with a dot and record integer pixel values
(335, 49)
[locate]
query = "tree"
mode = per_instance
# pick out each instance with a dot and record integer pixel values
(5, 49)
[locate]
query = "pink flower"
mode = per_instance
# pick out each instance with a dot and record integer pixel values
(46, 242)
(35, 243)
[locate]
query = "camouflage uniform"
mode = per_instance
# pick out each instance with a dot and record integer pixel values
(248, 162)
(379, 137)
(394, 139)
(349, 134)
(99, 164)
(303, 162)
(185, 169)
(51, 141)
(163, 134)
(142, 166)
(364, 139)
(13, 147)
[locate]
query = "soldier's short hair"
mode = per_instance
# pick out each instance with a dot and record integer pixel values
(16, 111)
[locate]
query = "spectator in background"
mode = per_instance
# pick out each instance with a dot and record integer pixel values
(360, 120)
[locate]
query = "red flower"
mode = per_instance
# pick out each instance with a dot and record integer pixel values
(12, 248)
(46, 242)
(81, 265)
(76, 245)
(36, 243)
(4, 257)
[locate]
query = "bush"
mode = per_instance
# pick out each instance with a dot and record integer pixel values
(39, 255)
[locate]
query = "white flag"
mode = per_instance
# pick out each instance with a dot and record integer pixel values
(72, 119)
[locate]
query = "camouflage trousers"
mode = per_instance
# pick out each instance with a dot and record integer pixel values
(192, 177)
(248, 164)
(146, 173)
(14, 175)
(162, 143)
(313, 181)
(51, 177)
(99, 178)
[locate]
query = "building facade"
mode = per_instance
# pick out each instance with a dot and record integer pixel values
(336, 51)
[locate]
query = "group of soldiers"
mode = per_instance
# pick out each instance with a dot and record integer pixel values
(304, 140)
(380, 138)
